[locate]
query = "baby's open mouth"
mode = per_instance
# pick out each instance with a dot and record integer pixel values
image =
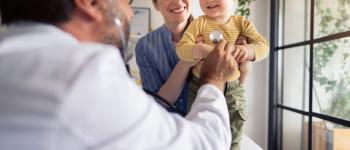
(212, 7)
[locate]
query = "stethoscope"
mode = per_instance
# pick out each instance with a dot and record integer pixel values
(126, 55)
(215, 36)
(162, 101)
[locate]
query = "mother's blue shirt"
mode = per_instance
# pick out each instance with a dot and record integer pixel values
(156, 58)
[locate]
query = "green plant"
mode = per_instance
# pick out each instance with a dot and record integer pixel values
(333, 21)
(243, 7)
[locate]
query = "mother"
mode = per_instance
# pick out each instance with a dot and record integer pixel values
(160, 69)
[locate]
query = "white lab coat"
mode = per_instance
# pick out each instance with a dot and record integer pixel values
(59, 93)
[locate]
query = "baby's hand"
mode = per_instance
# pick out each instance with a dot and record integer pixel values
(241, 53)
(201, 49)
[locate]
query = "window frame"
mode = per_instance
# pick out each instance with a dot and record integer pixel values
(276, 109)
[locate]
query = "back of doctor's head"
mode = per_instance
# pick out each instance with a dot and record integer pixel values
(45, 11)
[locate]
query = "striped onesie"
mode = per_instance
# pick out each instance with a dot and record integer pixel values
(234, 92)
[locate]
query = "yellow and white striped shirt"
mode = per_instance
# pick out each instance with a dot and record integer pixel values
(236, 26)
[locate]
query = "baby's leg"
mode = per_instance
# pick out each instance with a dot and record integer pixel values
(193, 87)
(237, 111)
(245, 68)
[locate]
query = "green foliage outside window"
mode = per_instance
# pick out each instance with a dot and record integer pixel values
(243, 7)
(333, 21)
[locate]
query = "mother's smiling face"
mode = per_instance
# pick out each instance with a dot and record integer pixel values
(174, 11)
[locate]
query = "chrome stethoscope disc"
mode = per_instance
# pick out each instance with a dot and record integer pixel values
(215, 36)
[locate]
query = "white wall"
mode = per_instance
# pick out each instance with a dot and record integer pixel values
(257, 85)
(156, 18)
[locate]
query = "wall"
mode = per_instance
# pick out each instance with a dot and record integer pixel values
(156, 17)
(295, 30)
(257, 84)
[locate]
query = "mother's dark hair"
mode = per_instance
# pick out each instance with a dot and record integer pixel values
(46, 11)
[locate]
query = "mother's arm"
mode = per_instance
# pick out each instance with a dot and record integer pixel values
(172, 88)
(150, 76)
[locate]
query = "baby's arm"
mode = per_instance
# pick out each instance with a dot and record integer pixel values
(201, 50)
(245, 69)
(188, 49)
(258, 47)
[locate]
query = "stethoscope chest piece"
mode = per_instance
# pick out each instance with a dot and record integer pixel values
(215, 36)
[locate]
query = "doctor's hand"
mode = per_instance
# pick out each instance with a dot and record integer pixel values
(219, 65)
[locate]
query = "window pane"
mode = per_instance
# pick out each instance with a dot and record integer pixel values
(295, 77)
(329, 136)
(294, 131)
(296, 21)
(331, 93)
(331, 16)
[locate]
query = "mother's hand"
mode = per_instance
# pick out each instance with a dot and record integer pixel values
(241, 49)
(241, 40)
(199, 39)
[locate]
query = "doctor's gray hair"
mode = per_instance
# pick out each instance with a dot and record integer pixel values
(45, 11)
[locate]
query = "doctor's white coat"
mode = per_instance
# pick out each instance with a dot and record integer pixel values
(59, 93)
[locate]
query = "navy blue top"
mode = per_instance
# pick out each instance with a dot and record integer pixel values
(156, 58)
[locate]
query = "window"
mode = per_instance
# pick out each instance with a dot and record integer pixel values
(309, 75)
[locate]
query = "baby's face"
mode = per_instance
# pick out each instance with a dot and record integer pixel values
(216, 8)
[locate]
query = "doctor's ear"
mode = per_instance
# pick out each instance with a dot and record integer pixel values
(92, 9)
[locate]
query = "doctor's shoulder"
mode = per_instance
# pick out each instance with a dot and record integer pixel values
(101, 50)
(83, 54)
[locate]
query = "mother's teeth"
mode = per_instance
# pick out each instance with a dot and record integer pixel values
(178, 10)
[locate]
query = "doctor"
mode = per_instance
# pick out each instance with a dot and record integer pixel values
(63, 85)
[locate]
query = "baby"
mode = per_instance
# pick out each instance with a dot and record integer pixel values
(218, 17)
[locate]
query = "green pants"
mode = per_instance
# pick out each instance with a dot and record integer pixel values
(234, 94)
